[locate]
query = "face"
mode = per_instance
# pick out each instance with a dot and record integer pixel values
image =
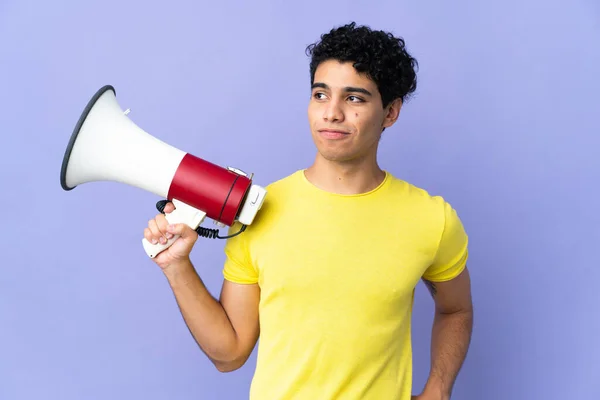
(346, 114)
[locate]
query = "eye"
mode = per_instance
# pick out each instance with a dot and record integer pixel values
(355, 99)
(319, 95)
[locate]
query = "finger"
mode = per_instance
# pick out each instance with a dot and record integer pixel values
(162, 223)
(156, 232)
(160, 205)
(182, 230)
(149, 237)
(169, 207)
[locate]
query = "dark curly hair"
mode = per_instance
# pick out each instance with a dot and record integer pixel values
(380, 55)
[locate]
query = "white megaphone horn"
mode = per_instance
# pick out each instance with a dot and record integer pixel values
(107, 146)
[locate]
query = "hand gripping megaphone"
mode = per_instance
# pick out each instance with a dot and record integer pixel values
(107, 146)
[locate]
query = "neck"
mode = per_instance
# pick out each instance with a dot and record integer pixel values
(346, 177)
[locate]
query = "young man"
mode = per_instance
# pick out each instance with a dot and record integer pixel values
(327, 271)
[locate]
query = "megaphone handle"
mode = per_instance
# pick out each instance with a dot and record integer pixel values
(183, 213)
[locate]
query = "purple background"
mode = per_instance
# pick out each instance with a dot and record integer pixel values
(504, 125)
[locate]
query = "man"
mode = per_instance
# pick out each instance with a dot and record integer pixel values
(327, 272)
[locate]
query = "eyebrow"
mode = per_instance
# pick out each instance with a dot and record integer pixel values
(348, 89)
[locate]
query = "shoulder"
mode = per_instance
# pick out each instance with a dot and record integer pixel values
(279, 191)
(286, 183)
(420, 199)
(278, 194)
(427, 213)
(440, 227)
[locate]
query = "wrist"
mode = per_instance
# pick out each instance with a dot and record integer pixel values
(435, 390)
(178, 270)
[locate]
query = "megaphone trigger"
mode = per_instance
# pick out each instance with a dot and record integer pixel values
(160, 205)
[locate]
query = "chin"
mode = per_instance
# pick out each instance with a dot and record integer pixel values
(333, 156)
(334, 151)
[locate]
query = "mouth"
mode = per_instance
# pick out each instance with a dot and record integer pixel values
(333, 133)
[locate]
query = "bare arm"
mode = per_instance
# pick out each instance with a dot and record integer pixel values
(227, 329)
(451, 333)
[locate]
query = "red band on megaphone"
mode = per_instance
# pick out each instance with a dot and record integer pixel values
(215, 190)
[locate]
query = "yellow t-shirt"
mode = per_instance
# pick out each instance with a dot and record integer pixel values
(337, 275)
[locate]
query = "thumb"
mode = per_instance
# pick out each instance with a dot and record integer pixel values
(183, 230)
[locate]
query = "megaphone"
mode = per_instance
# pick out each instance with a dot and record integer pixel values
(107, 146)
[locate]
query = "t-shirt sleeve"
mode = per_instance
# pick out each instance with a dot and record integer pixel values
(452, 252)
(238, 267)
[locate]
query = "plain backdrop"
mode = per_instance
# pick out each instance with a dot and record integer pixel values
(504, 125)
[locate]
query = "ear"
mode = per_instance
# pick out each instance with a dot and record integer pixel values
(392, 113)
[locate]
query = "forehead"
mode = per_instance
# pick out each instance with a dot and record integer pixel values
(338, 75)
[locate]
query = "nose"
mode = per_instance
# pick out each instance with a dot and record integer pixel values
(333, 111)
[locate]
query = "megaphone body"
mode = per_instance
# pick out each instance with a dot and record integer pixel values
(107, 146)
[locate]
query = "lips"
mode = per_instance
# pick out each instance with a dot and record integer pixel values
(333, 133)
